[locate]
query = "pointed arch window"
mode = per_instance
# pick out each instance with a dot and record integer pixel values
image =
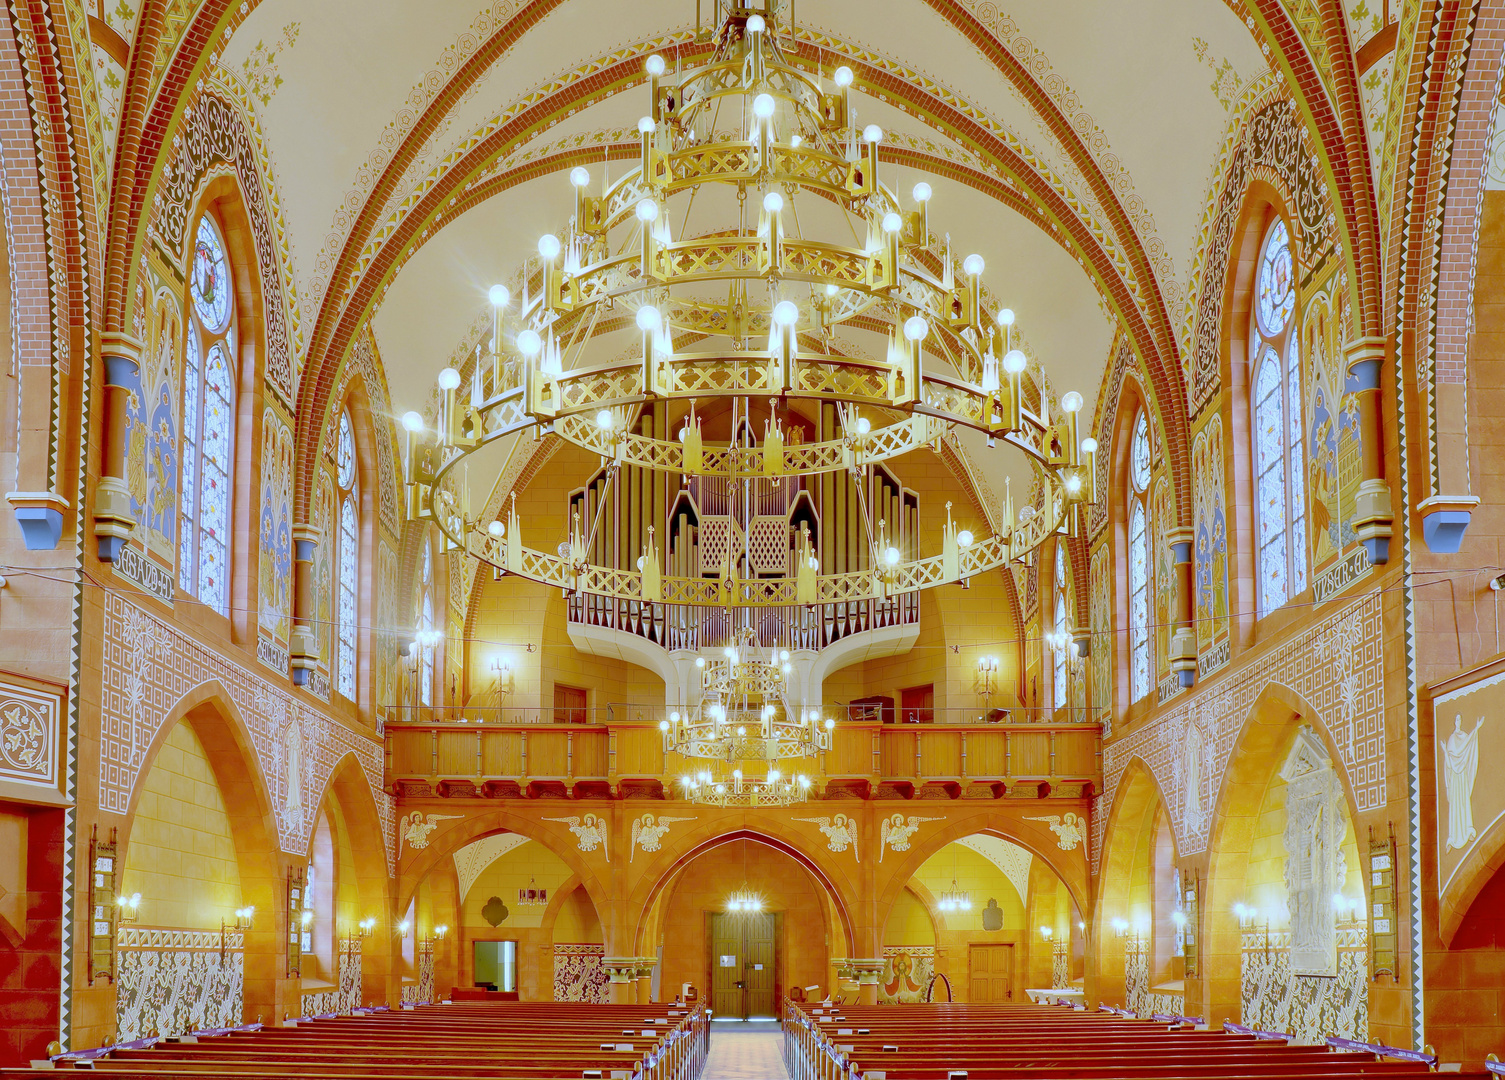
(1276, 415)
(1059, 680)
(1139, 559)
(426, 624)
(209, 370)
(348, 558)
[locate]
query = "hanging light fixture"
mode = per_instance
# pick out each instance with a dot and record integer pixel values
(955, 899)
(947, 362)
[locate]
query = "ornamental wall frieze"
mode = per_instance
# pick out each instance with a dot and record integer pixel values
(30, 735)
(149, 667)
(1337, 667)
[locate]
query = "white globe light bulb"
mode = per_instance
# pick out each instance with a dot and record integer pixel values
(580, 176)
(647, 210)
(964, 538)
(973, 265)
(922, 192)
(548, 245)
(449, 379)
(763, 106)
(785, 313)
(915, 328)
(655, 65)
(498, 295)
(1071, 401)
(529, 343)
(645, 125)
(892, 556)
(892, 222)
(603, 420)
(864, 425)
(648, 317)
(1006, 317)
(755, 24)
(843, 76)
(773, 202)
(496, 528)
(1089, 446)
(412, 421)
(1014, 361)
(872, 133)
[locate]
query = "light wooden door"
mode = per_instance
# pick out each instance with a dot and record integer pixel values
(758, 971)
(744, 963)
(992, 973)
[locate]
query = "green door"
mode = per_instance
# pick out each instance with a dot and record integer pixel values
(744, 963)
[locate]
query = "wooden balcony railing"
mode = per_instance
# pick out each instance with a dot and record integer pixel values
(610, 756)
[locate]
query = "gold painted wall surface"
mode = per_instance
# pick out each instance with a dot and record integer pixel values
(181, 855)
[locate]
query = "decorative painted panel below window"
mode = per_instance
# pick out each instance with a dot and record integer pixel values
(172, 982)
(907, 971)
(579, 974)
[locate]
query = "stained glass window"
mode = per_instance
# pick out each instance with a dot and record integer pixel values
(1058, 682)
(1275, 286)
(208, 424)
(1139, 602)
(348, 560)
(1139, 454)
(1276, 425)
(426, 623)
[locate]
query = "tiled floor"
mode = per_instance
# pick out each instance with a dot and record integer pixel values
(746, 1051)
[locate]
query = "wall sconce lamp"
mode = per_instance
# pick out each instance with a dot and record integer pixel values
(1346, 910)
(428, 943)
(501, 669)
(1120, 927)
(1046, 932)
(403, 928)
(129, 907)
(1245, 915)
(1179, 918)
(244, 919)
(987, 676)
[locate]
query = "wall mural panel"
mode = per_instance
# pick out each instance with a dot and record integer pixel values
(1209, 496)
(1337, 667)
(274, 561)
(1468, 728)
(151, 428)
(1101, 658)
(324, 520)
(172, 982)
(30, 728)
(907, 971)
(148, 667)
(579, 974)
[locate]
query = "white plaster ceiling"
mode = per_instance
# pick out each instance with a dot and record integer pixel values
(1137, 80)
(472, 860)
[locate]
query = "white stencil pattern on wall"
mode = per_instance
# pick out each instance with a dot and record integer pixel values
(1308, 1007)
(579, 974)
(149, 667)
(422, 991)
(1337, 667)
(1060, 971)
(172, 982)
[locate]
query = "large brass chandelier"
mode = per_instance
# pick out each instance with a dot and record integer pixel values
(749, 313)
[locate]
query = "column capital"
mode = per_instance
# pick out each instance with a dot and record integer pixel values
(1363, 357)
(1179, 540)
(116, 344)
(621, 969)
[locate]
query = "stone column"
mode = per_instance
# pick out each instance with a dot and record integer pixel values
(645, 968)
(113, 520)
(868, 972)
(623, 972)
(305, 653)
(1372, 517)
(1183, 637)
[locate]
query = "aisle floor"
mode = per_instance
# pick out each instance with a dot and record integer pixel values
(748, 1050)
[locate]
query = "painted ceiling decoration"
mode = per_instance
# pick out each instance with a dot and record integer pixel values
(1088, 141)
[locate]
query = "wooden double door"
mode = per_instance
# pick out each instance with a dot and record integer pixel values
(744, 953)
(991, 968)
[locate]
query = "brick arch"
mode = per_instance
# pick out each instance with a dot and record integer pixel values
(211, 712)
(1135, 804)
(666, 866)
(452, 836)
(1035, 837)
(1268, 729)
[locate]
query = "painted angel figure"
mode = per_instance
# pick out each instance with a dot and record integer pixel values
(1460, 763)
(1068, 831)
(895, 834)
(416, 830)
(839, 833)
(590, 832)
(646, 832)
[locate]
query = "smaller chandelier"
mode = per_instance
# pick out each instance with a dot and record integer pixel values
(774, 789)
(955, 899)
(744, 901)
(532, 895)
